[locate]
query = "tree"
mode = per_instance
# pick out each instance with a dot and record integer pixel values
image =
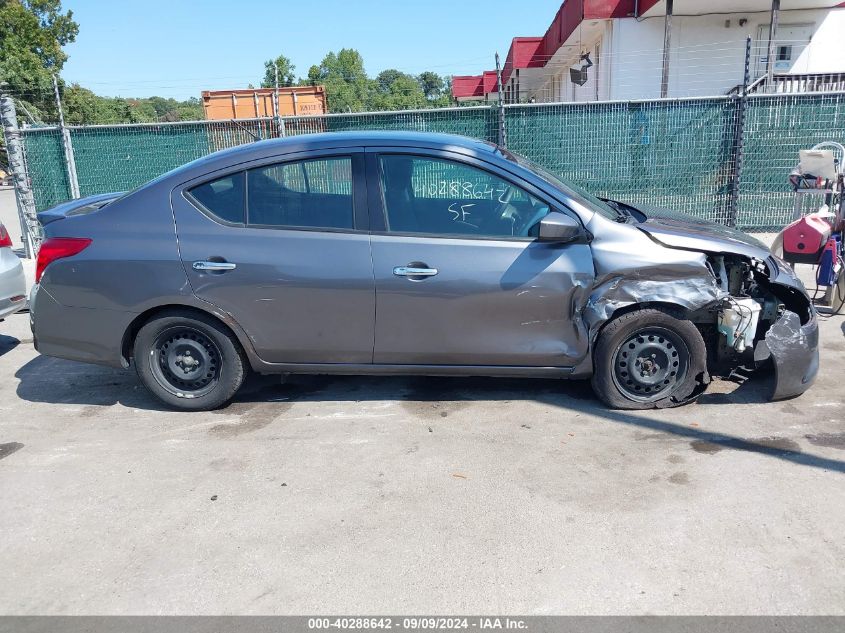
(286, 72)
(314, 76)
(395, 90)
(386, 78)
(346, 82)
(80, 105)
(432, 85)
(32, 34)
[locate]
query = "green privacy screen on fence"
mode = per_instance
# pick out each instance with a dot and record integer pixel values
(669, 153)
(680, 154)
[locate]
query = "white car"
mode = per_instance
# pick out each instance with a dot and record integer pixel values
(12, 280)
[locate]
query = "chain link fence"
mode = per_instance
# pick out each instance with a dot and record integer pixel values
(676, 154)
(682, 153)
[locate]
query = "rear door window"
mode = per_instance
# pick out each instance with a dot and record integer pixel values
(313, 193)
(222, 198)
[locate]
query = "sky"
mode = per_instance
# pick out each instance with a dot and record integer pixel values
(178, 48)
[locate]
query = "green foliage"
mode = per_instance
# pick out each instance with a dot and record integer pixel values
(83, 107)
(286, 70)
(395, 90)
(346, 82)
(349, 89)
(32, 33)
(432, 84)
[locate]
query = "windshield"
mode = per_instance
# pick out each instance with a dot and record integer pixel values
(589, 200)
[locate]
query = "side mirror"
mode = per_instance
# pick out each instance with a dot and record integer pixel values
(559, 227)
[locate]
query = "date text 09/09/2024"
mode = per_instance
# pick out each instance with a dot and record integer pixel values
(417, 623)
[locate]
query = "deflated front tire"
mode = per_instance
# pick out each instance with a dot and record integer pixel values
(649, 359)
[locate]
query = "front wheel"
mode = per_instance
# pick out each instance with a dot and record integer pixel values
(189, 361)
(649, 359)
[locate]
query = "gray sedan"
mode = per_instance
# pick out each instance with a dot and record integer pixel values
(408, 253)
(12, 280)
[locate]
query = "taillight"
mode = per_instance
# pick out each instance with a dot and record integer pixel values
(54, 248)
(5, 238)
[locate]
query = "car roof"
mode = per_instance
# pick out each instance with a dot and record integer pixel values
(326, 140)
(364, 138)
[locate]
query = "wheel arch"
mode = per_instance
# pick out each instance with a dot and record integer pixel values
(131, 332)
(675, 309)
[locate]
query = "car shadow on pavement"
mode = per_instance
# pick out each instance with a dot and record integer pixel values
(52, 380)
(7, 344)
(57, 381)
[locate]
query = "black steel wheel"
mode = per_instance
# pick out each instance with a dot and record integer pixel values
(649, 358)
(189, 360)
(649, 364)
(186, 362)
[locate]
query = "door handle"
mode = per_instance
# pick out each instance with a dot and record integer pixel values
(411, 271)
(214, 266)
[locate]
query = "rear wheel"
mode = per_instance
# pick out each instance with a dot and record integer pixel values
(649, 359)
(189, 361)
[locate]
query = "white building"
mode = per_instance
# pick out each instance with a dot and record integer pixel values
(637, 51)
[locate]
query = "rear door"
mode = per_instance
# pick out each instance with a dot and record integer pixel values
(283, 247)
(460, 276)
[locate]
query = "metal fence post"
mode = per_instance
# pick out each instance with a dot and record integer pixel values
(739, 137)
(67, 146)
(502, 136)
(30, 227)
(280, 124)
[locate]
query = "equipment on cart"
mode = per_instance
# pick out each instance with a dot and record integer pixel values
(816, 237)
(804, 239)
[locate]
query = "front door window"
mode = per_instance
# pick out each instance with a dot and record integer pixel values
(432, 196)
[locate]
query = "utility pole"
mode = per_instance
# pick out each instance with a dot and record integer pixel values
(770, 58)
(502, 139)
(30, 227)
(667, 44)
(70, 161)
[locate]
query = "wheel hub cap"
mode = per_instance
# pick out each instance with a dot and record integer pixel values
(649, 364)
(186, 362)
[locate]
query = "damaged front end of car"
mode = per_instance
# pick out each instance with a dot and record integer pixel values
(765, 314)
(748, 305)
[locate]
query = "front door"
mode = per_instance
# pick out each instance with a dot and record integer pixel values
(460, 276)
(283, 247)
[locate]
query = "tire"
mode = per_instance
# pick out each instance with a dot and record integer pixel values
(189, 361)
(649, 359)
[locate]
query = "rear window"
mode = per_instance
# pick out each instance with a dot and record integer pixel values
(223, 198)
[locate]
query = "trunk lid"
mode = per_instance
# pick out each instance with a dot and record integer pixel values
(82, 206)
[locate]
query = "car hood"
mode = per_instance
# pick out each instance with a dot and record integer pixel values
(681, 230)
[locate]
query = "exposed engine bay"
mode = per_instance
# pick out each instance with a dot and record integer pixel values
(741, 329)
